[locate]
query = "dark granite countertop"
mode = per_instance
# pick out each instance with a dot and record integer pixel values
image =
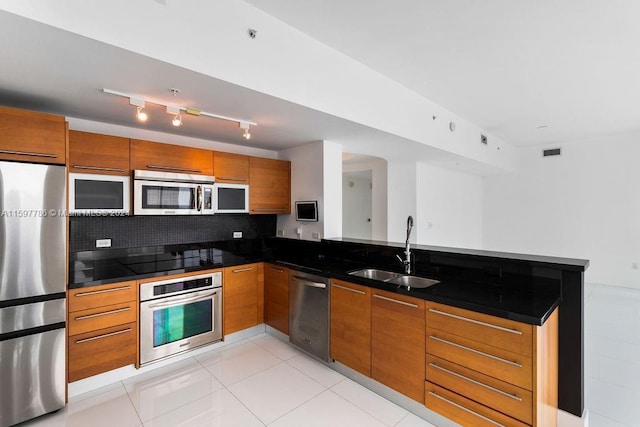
(531, 301)
(91, 268)
(515, 294)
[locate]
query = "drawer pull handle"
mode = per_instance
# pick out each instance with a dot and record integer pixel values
(457, 405)
(471, 380)
(103, 291)
(477, 322)
(277, 270)
(270, 210)
(104, 313)
(232, 178)
(28, 153)
(241, 270)
(99, 337)
(172, 168)
(481, 353)
(98, 168)
(408, 304)
(357, 291)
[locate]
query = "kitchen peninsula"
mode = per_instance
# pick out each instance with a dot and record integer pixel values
(532, 291)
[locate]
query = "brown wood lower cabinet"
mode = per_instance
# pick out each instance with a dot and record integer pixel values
(351, 325)
(276, 294)
(240, 297)
(485, 370)
(102, 329)
(398, 342)
(95, 352)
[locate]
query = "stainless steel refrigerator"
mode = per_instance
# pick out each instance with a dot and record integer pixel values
(32, 290)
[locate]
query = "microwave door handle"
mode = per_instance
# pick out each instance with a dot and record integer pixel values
(199, 198)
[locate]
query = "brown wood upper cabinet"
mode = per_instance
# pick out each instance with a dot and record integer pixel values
(231, 168)
(159, 157)
(270, 182)
(276, 296)
(32, 137)
(95, 153)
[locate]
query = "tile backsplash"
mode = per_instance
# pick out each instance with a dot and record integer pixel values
(138, 231)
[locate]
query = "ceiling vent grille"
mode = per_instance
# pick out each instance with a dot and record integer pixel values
(551, 152)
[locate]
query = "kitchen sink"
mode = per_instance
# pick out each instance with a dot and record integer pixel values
(375, 274)
(412, 281)
(394, 278)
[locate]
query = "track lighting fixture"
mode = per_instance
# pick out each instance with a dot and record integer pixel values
(141, 115)
(177, 111)
(245, 126)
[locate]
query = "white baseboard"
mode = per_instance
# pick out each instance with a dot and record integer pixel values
(566, 419)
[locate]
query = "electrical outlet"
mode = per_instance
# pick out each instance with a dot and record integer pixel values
(237, 234)
(103, 243)
(315, 235)
(280, 233)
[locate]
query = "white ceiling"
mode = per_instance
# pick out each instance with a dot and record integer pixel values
(508, 66)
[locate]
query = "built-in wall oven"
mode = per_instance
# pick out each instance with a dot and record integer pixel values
(177, 315)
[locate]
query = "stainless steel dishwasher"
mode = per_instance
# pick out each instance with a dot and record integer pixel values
(309, 313)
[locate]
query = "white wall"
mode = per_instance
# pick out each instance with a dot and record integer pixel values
(316, 172)
(582, 204)
(332, 189)
(281, 61)
(379, 203)
(357, 200)
(402, 200)
(449, 207)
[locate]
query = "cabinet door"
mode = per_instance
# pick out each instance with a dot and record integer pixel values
(159, 157)
(95, 352)
(95, 153)
(351, 325)
(32, 137)
(240, 297)
(270, 186)
(398, 343)
(276, 295)
(231, 168)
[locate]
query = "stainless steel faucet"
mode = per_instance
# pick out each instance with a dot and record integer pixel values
(407, 249)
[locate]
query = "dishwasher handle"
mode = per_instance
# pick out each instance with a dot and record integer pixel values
(310, 283)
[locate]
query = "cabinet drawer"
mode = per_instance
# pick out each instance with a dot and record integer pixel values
(502, 333)
(100, 351)
(101, 317)
(503, 397)
(464, 411)
(98, 296)
(495, 362)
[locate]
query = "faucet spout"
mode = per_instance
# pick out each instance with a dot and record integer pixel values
(407, 248)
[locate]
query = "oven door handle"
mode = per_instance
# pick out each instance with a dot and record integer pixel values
(182, 301)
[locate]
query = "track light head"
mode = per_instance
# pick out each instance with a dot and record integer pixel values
(177, 120)
(245, 126)
(141, 115)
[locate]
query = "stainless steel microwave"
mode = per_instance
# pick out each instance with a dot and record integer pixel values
(231, 198)
(91, 194)
(165, 193)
